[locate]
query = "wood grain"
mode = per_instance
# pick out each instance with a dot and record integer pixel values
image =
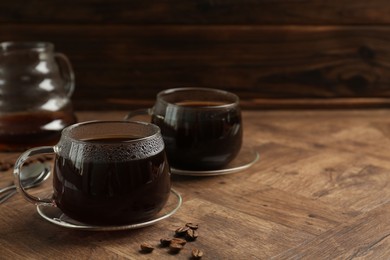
(273, 54)
(124, 67)
(203, 12)
(321, 190)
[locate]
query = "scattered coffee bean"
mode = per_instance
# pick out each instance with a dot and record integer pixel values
(175, 248)
(176, 244)
(179, 241)
(165, 241)
(146, 247)
(192, 226)
(191, 235)
(181, 231)
(196, 253)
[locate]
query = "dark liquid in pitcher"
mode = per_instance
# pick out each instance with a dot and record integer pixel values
(20, 131)
(201, 141)
(114, 192)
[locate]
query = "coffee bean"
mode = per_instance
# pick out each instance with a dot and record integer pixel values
(165, 241)
(176, 244)
(196, 253)
(191, 235)
(179, 241)
(192, 226)
(181, 231)
(175, 248)
(146, 247)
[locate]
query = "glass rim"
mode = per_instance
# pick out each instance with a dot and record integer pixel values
(234, 103)
(66, 132)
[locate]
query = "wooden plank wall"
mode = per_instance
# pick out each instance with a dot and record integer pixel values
(272, 53)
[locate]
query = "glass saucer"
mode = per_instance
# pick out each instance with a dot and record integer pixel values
(245, 159)
(55, 216)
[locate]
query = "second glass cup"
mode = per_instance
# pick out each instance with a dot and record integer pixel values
(201, 127)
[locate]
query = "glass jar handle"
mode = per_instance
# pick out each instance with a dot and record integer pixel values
(67, 72)
(17, 170)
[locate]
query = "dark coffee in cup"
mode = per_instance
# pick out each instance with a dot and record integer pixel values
(106, 172)
(201, 135)
(115, 192)
(201, 127)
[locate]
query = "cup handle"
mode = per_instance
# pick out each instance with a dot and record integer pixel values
(18, 167)
(67, 72)
(138, 112)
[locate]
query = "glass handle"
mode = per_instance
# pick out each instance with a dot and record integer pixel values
(18, 168)
(67, 72)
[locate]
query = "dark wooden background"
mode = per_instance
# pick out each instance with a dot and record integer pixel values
(272, 53)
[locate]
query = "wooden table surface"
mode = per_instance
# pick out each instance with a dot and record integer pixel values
(321, 190)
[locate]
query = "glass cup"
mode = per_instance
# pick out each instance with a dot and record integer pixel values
(106, 172)
(201, 127)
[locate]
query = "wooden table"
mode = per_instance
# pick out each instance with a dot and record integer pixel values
(321, 190)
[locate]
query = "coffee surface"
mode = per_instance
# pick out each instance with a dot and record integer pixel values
(200, 103)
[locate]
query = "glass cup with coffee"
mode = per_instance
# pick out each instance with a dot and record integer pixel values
(106, 172)
(201, 127)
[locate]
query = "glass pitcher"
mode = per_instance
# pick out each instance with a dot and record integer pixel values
(36, 84)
